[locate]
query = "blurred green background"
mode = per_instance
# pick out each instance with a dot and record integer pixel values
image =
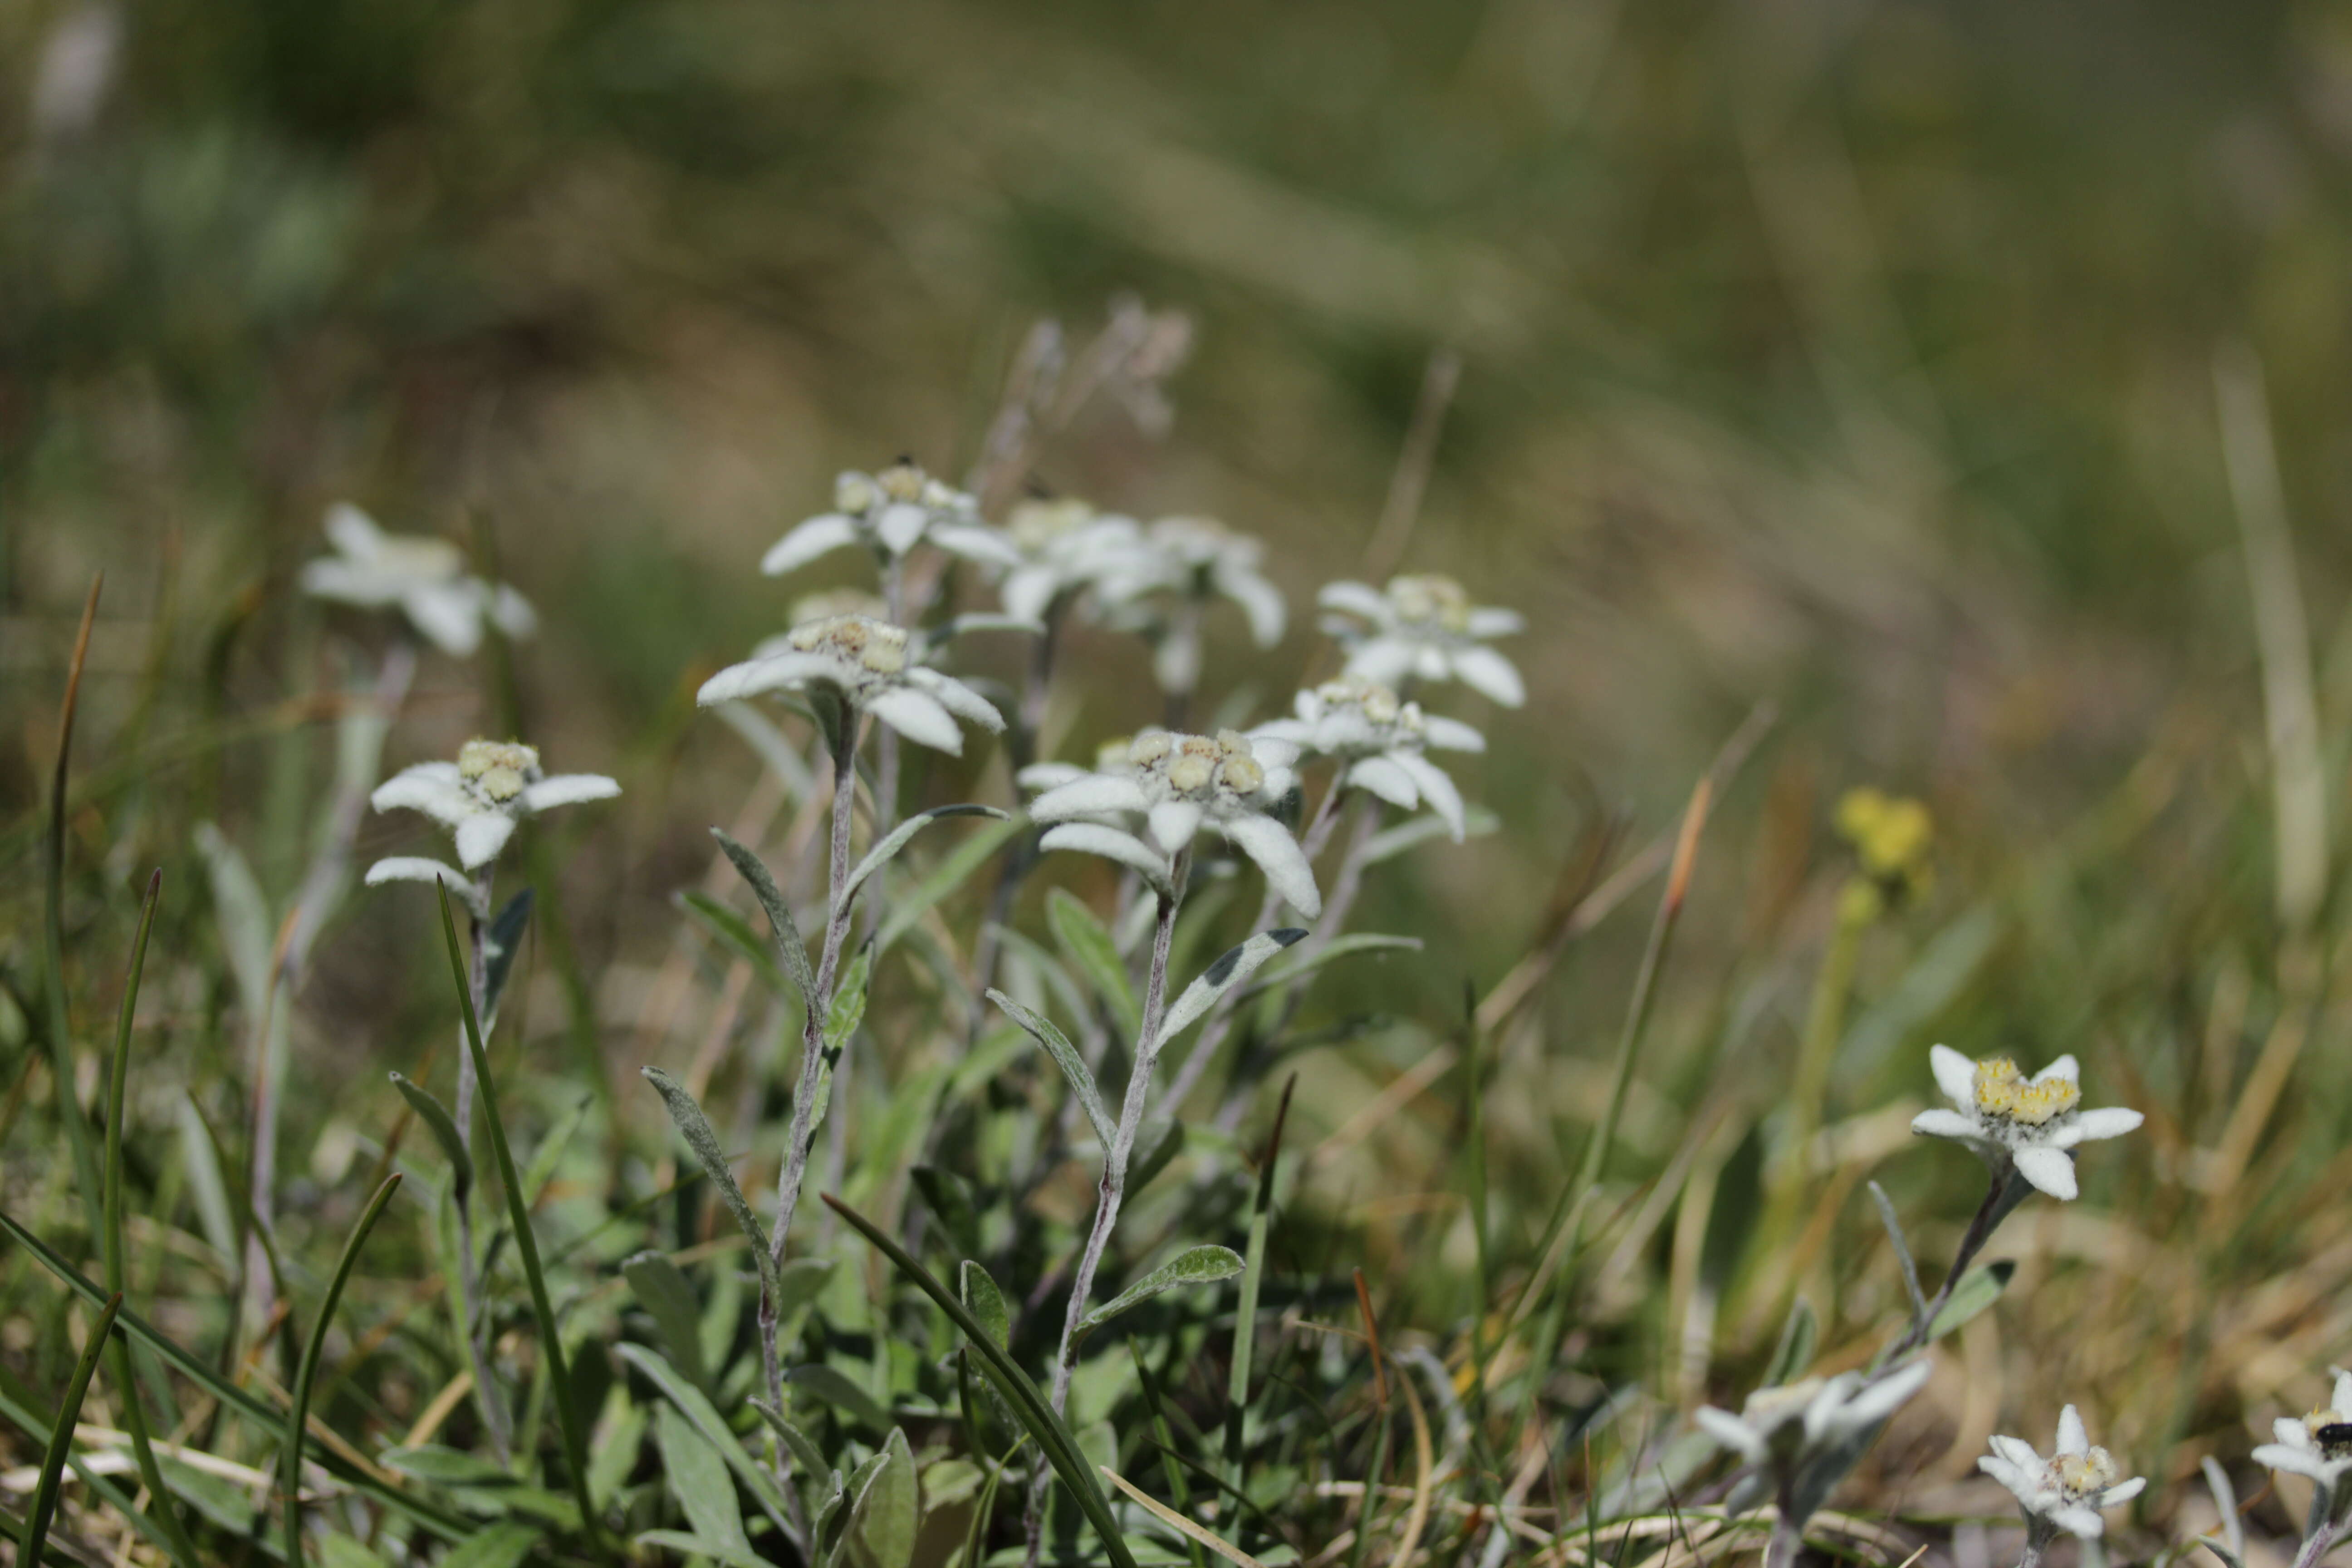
(1855, 356)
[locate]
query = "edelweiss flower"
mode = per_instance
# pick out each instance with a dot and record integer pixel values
(1382, 741)
(1065, 547)
(1423, 627)
(1806, 1436)
(1110, 757)
(1179, 784)
(492, 785)
(868, 662)
(2006, 1116)
(1195, 559)
(2066, 1490)
(891, 511)
(425, 577)
(2318, 1446)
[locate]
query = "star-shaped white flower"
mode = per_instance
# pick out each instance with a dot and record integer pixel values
(891, 512)
(1177, 784)
(1382, 740)
(1787, 1426)
(2006, 1117)
(870, 665)
(1194, 559)
(424, 578)
(1423, 627)
(2065, 1491)
(1066, 548)
(2319, 1446)
(491, 786)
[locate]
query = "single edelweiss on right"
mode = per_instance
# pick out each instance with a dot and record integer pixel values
(2028, 1124)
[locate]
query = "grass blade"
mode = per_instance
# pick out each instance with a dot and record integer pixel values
(53, 1463)
(182, 1549)
(1087, 944)
(1028, 1403)
(299, 1413)
(900, 836)
(443, 1128)
(1245, 1313)
(53, 934)
(576, 1441)
(790, 948)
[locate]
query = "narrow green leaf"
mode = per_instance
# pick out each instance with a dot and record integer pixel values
(838, 1390)
(1245, 1351)
(805, 1457)
(502, 1545)
(443, 1128)
(550, 1336)
(1066, 1056)
(1029, 1406)
(899, 838)
(1277, 975)
(882, 1520)
(1235, 966)
(1795, 1350)
(297, 1413)
(696, 1406)
(848, 1010)
(790, 948)
(1193, 1266)
(733, 931)
(985, 1301)
(443, 1465)
(1089, 948)
(696, 1477)
(695, 1128)
(500, 943)
(953, 871)
(662, 1288)
(2228, 1558)
(1178, 1491)
(693, 1546)
(44, 1508)
(1977, 1290)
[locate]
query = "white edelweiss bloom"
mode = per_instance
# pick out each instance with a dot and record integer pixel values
(2319, 1446)
(424, 578)
(1110, 757)
(1382, 740)
(1177, 784)
(491, 786)
(1787, 1426)
(2065, 1491)
(2006, 1117)
(870, 664)
(1195, 559)
(891, 512)
(1423, 627)
(1066, 548)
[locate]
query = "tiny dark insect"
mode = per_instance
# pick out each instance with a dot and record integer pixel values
(2334, 1434)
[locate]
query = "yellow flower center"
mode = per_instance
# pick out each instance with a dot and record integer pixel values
(416, 556)
(902, 481)
(1034, 524)
(2006, 1094)
(874, 645)
(1431, 599)
(2079, 1475)
(498, 770)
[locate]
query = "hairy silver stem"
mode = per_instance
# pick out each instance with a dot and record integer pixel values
(471, 1305)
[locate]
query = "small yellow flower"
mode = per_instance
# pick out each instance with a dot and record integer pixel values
(1891, 836)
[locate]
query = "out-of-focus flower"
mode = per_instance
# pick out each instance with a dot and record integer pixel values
(2009, 1119)
(1423, 627)
(1192, 560)
(2065, 1491)
(1066, 548)
(1382, 740)
(1179, 784)
(2319, 1446)
(891, 512)
(491, 786)
(1806, 1436)
(1891, 836)
(424, 578)
(1110, 757)
(869, 664)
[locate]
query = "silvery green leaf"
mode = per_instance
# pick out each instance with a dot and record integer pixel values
(1280, 974)
(882, 1520)
(838, 1390)
(1902, 1250)
(1795, 1350)
(693, 1547)
(1089, 948)
(837, 1498)
(443, 1128)
(2228, 1558)
(661, 1287)
(1235, 966)
(1193, 1266)
(985, 1301)
(618, 1438)
(247, 933)
(696, 1477)
(696, 1406)
(1066, 1056)
(500, 941)
(2225, 1505)
(695, 1128)
(790, 948)
(805, 1459)
(848, 1010)
(1477, 823)
(1980, 1289)
(501, 1545)
(444, 1465)
(899, 837)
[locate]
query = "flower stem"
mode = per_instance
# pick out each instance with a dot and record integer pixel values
(1787, 1539)
(2317, 1544)
(470, 1305)
(1989, 1216)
